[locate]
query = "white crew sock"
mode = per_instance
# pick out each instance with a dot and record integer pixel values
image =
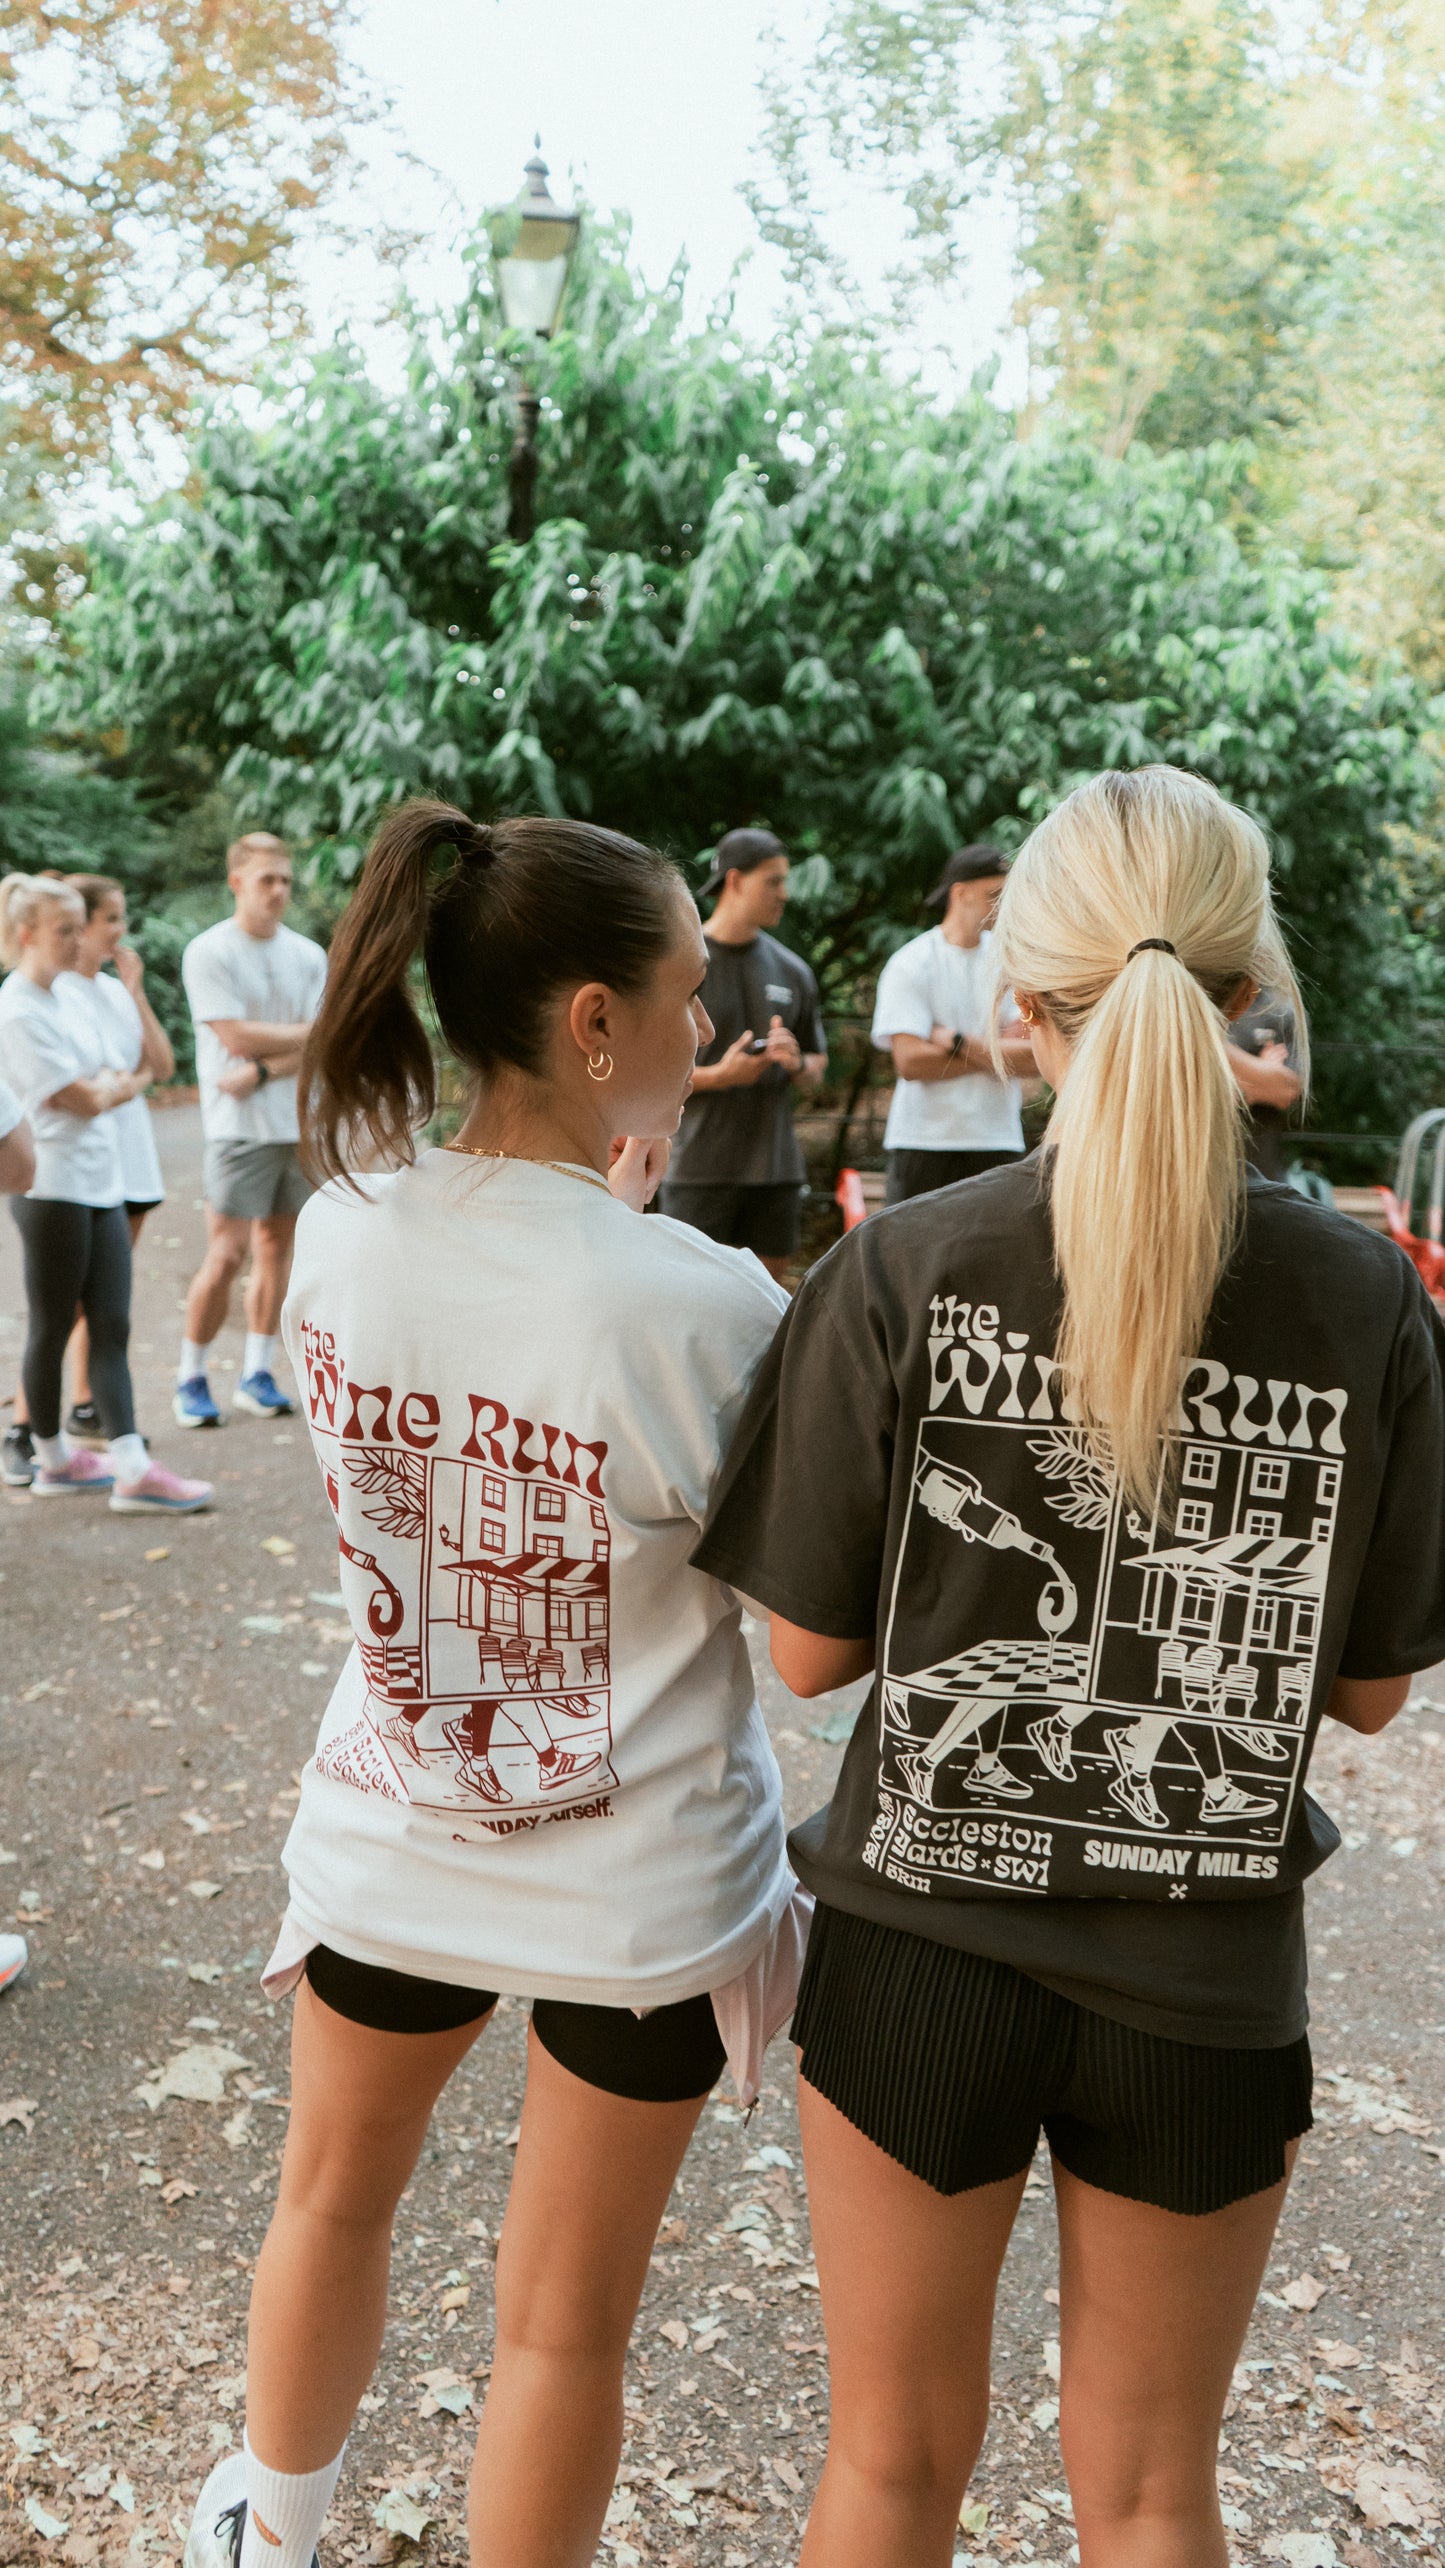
(260, 1355)
(54, 1451)
(291, 2508)
(131, 1460)
(193, 1361)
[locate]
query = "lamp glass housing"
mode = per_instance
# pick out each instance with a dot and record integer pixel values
(534, 243)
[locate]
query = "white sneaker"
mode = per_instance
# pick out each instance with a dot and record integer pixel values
(219, 2521)
(14, 1954)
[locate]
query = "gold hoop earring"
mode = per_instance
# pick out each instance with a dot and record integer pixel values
(593, 1072)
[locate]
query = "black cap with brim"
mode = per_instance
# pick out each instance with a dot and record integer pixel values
(740, 852)
(968, 865)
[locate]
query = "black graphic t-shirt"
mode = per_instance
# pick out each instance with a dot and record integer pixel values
(745, 1136)
(1085, 1747)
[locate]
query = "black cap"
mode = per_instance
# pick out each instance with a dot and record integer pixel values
(740, 852)
(977, 864)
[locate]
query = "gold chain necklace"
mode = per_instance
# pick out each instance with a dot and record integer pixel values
(559, 1167)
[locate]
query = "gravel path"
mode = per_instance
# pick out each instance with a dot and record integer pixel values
(159, 1688)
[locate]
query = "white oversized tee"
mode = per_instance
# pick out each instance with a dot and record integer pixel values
(543, 1769)
(264, 980)
(929, 983)
(122, 1037)
(44, 1045)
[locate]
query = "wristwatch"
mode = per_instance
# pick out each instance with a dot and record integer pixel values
(955, 1049)
(263, 1073)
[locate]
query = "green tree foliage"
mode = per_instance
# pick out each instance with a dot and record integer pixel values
(804, 598)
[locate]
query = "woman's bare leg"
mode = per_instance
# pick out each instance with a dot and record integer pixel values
(592, 2178)
(1153, 2308)
(360, 2105)
(908, 2279)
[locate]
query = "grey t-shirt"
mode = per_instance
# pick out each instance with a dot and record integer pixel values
(745, 1136)
(1085, 1749)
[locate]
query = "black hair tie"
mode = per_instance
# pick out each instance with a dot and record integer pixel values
(1152, 945)
(475, 846)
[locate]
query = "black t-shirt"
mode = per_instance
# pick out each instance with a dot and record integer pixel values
(1084, 1751)
(1270, 1020)
(745, 1136)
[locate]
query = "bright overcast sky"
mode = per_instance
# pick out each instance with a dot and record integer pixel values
(648, 105)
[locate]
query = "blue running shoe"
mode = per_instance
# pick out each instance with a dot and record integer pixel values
(262, 1397)
(193, 1405)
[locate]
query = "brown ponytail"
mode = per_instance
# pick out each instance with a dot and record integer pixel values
(505, 918)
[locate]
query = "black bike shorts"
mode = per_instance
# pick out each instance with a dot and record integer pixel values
(667, 2056)
(953, 2065)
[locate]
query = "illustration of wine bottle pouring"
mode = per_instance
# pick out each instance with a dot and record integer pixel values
(954, 1498)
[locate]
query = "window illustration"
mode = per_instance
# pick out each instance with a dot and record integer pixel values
(494, 1492)
(1201, 1467)
(549, 1546)
(1269, 1477)
(1263, 1520)
(1320, 1530)
(550, 1502)
(1196, 1516)
(1328, 1486)
(494, 1536)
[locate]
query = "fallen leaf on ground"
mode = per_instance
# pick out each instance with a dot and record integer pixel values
(153, 1862)
(162, 1552)
(85, 2354)
(1305, 2292)
(50, 2527)
(1303, 2550)
(177, 2190)
(20, 2108)
(1336, 2355)
(790, 2477)
(197, 2075)
(277, 1545)
(207, 1972)
(675, 2332)
(1394, 2493)
(400, 2513)
(205, 1889)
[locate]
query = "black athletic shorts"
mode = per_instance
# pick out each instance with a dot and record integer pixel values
(954, 2064)
(922, 1172)
(665, 2057)
(766, 1219)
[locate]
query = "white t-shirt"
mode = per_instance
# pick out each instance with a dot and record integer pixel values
(123, 1038)
(929, 983)
(44, 1044)
(266, 980)
(11, 1111)
(520, 1393)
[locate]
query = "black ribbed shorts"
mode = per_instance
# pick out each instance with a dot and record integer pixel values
(953, 2065)
(668, 2056)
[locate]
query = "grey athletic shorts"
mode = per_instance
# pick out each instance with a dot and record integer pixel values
(254, 1181)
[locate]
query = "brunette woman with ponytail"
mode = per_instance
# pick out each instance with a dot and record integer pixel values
(519, 1393)
(1138, 1474)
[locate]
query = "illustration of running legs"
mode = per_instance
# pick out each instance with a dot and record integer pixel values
(988, 1772)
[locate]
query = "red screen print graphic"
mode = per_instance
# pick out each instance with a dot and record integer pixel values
(479, 1588)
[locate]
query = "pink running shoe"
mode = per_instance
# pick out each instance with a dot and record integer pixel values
(82, 1471)
(160, 1493)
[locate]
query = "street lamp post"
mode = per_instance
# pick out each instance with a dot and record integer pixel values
(532, 247)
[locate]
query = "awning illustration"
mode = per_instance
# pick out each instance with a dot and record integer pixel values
(535, 1573)
(1243, 1561)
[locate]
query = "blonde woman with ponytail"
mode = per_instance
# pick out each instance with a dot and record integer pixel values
(1123, 1468)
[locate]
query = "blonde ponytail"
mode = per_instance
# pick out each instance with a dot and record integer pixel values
(21, 899)
(1135, 913)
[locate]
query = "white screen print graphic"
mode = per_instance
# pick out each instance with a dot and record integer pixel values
(478, 1583)
(1135, 1695)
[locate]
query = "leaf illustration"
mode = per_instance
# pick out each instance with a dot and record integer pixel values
(399, 1480)
(1065, 1454)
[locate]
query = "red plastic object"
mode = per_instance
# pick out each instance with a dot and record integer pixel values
(848, 1195)
(1426, 1255)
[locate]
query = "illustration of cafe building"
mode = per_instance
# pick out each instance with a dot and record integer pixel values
(1240, 1574)
(532, 1582)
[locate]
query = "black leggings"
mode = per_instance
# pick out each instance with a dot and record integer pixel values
(73, 1256)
